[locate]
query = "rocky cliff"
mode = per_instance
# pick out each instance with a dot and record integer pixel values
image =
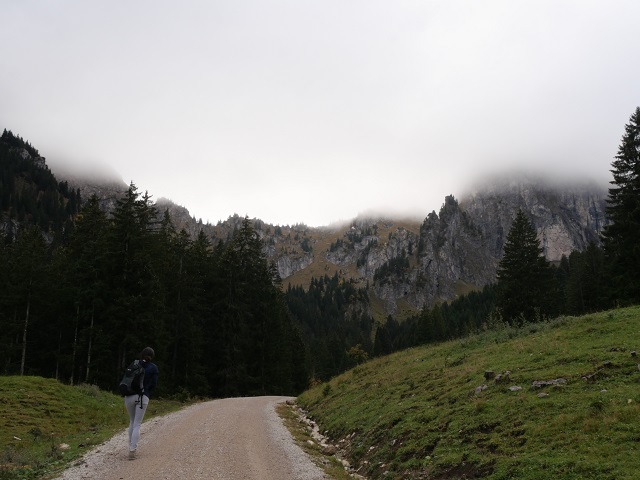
(458, 249)
(567, 216)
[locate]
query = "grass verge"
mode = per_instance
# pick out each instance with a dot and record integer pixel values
(431, 412)
(44, 424)
(303, 438)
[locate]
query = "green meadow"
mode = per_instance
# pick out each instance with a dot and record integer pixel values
(438, 412)
(44, 424)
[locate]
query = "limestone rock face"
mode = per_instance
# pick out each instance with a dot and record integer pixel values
(288, 265)
(566, 217)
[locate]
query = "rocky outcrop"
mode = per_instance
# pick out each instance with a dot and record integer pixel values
(567, 217)
(288, 265)
(182, 219)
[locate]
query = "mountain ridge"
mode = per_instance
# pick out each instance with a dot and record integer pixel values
(406, 264)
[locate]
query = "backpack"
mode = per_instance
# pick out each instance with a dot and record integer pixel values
(132, 381)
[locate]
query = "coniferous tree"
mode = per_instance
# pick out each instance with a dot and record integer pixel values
(333, 319)
(523, 275)
(383, 343)
(253, 329)
(29, 282)
(192, 345)
(7, 336)
(621, 238)
(87, 256)
(133, 277)
(585, 284)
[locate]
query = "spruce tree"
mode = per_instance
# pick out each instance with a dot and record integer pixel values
(87, 256)
(621, 238)
(29, 280)
(523, 274)
(259, 350)
(585, 285)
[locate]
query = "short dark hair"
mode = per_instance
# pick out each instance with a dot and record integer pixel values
(147, 352)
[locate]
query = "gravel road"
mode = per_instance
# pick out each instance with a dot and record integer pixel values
(230, 439)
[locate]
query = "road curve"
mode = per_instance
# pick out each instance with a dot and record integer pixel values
(229, 439)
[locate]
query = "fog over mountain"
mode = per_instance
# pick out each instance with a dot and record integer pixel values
(317, 112)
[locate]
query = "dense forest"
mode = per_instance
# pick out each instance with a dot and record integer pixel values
(83, 290)
(80, 308)
(334, 320)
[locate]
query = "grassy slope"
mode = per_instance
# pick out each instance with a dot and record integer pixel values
(416, 414)
(38, 415)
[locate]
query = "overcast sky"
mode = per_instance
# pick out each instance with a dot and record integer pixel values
(317, 111)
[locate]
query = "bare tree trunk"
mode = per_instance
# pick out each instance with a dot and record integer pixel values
(86, 378)
(58, 355)
(7, 365)
(75, 345)
(176, 334)
(24, 337)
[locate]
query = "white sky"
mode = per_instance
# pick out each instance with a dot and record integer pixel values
(316, 111)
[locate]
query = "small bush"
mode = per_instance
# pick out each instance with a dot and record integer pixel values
(326, 390)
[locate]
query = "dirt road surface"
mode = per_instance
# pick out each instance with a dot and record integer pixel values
(229, 439)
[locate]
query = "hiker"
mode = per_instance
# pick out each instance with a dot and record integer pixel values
(137, 403)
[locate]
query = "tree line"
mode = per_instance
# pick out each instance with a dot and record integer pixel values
(82, 309)
(334, 317)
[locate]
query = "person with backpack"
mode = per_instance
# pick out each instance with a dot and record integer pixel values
(140, 379)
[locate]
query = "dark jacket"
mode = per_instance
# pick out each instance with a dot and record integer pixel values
(150, 377)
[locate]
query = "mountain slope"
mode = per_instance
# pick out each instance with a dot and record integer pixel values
(553, 400)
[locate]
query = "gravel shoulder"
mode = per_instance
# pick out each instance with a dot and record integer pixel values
(230, 439)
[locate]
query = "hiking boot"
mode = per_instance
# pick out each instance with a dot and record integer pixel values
(132, 454)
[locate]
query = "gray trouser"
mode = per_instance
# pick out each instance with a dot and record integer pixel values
(136, 414)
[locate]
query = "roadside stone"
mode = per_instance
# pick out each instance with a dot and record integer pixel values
(591, 377)
(546, 383)
(515, 388)
(329, 450)
(542, 395)
(503, 377)
(480, 389)
(489, 374)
